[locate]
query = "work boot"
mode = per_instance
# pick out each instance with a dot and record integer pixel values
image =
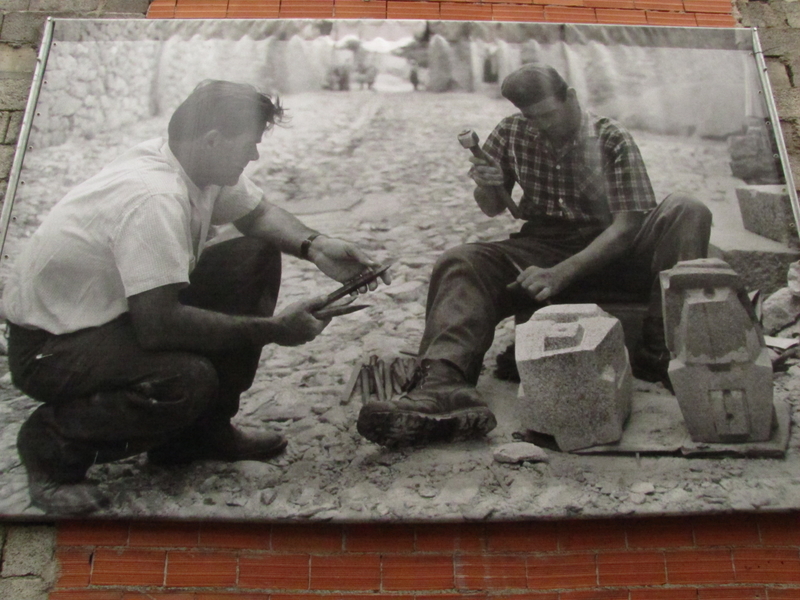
(442, 407)
(56, 468)
(222, 442)
(650, 359)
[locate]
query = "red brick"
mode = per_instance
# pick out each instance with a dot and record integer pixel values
(254, 9)
(379, 538)
(356, 572)
(591, 535)
(595, 595)
(358, 9)
(622, 4)
(766, 565)
(161, 9)
(664, 594)
(84, 533)
(281, 572)
(522, 537)
(670, 5)
(306, 9)
(631, 568)
(660, 533)
(705, 20)
(430, 572)
(86, 595)
(230, 596)
(728, 593)
(725, 530)
(438, 537)
(780, 529)
(783, 593)
(128, 567)
(667, 19)
(561, 2)
(201, 569)
(561, 571)
(201, 9)
(522, 596)
(699, 566)
(509, 12)
(158, 596)
(412, 10)
(490, 572)
(708, 6)
(307, 538)
(74, 567)
(621, 17)
(164, 535)
(240, 537)
(465, 12)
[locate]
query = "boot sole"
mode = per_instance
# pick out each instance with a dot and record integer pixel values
(395, 428)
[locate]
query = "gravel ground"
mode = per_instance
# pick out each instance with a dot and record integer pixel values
(385, 171)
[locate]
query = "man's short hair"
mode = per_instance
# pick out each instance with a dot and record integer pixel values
(533, 83)
(230, 108)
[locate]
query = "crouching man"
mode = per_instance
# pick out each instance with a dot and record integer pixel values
(134, 337)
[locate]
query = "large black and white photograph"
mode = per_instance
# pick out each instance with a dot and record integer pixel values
(398, 271)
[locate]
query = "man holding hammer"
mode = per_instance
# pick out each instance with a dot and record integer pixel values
(591, 226)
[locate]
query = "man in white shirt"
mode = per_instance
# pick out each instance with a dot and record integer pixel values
(132, 335)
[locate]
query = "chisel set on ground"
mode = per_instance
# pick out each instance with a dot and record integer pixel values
(380, 379)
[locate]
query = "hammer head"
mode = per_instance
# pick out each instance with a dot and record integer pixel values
(468, 138)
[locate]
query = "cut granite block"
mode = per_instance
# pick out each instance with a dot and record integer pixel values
(720, 367)
(767, 211)
(575, 375)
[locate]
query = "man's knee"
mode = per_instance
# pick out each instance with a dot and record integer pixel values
(690, 210)
(466, 255)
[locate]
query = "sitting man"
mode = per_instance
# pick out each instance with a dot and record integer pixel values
(132, 335)
(591, 225)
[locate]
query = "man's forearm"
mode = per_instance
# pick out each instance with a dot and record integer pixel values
(612, 243)
(275, 225)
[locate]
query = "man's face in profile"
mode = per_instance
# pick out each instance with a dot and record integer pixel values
(230, 155)
(553, 118)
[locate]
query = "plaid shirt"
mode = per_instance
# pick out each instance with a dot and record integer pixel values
(599, 173)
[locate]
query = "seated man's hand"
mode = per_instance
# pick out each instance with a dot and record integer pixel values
(541, 284)
(296, 324)
(486, 173)
(341, 260)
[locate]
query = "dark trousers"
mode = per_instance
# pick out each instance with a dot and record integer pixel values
(468, 296)
(105, 397)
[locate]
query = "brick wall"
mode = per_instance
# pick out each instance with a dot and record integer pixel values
(666, 558)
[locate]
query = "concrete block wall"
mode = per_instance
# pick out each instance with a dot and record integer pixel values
(662, 558)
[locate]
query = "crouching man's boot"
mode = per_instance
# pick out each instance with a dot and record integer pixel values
(217, 441)
(57, 467)
(442, 407)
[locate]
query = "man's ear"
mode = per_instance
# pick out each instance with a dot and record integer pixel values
(211, 138)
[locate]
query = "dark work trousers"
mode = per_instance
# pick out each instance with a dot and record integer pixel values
(468, 295)
(105, 397)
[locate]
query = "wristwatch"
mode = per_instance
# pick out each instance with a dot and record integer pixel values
(306, 245)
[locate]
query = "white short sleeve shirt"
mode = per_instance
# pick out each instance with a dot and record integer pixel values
(139, 224)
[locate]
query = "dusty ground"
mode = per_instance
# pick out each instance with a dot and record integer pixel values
(393, 161)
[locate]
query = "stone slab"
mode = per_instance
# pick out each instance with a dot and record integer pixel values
(760, 262)
(767, 211)
(656, 426)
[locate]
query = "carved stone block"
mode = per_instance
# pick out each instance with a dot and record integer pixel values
(575, 375)
(720, 367)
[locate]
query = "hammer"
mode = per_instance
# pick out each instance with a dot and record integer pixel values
(469, 140)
